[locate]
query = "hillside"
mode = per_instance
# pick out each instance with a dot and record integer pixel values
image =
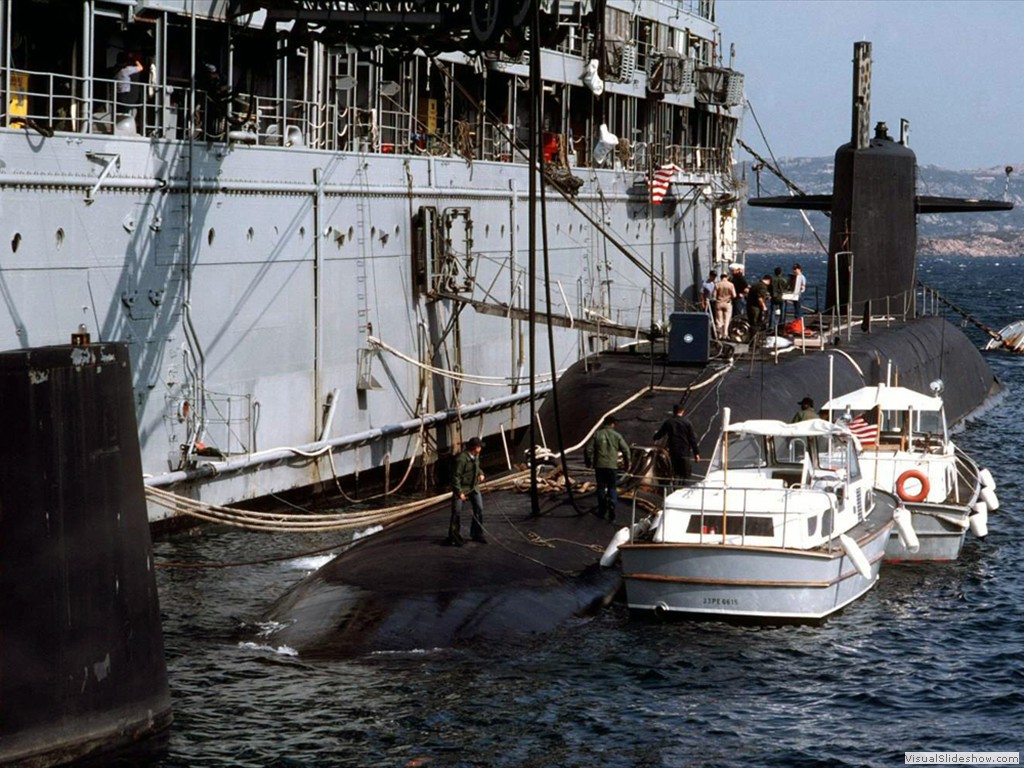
(765, 230)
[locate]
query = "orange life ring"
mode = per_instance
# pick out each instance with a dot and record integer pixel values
(913, 474)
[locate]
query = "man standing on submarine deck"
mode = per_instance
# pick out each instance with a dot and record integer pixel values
(466, 479)
(682, 442)
(602, 453)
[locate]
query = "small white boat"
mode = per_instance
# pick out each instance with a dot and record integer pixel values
(1009, 339)
(907, 450)
(785, 526)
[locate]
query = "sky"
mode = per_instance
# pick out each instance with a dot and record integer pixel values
(953, 68)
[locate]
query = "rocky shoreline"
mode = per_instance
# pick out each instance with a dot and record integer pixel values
(972, 245)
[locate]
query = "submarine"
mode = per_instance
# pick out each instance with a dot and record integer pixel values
(399, 591)
(876, 326)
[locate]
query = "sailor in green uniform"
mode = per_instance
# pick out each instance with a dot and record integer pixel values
(602, 453)
(466, 480)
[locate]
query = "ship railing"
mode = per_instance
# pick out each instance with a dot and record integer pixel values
(49, 101)
(67, 103)
(92, 105)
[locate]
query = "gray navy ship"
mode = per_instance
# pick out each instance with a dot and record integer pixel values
(310, 221)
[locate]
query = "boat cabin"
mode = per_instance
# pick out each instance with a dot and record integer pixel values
(772, 484)
(906, 443)
(888, 418)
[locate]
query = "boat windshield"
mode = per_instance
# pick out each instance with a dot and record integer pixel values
(932, 423)
(840, 455)
(745, 452)
(790, 450)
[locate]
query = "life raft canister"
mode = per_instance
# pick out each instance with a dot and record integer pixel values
(913, 474)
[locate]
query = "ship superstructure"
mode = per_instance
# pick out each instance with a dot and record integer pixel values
(310, 220)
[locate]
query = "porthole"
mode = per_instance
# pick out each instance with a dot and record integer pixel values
(250, 234)
(211, 235)
(302, 232)
(58, 238)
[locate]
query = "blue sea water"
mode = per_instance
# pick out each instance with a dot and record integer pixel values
(929, 660)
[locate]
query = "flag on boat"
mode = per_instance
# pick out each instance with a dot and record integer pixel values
(866, 432)
(664, 176)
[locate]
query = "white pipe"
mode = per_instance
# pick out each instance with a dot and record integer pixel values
(332, 407)
(311, 450)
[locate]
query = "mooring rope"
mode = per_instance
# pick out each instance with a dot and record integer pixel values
(962, 312)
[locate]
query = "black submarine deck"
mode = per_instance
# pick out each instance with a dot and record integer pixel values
(404, 590)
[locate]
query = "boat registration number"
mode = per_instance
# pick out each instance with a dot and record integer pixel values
(721, 601)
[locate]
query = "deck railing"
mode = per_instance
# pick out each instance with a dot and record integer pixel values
(738, 502)
(50, 102)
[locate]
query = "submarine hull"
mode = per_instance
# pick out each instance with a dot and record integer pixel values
(916, 353)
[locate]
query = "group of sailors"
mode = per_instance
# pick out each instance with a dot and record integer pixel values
(728, 295)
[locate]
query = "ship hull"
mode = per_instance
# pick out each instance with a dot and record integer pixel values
(733, 582)
(260, 288)
(940, 529)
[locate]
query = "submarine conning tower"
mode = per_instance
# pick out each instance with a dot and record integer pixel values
(873, 238)
(874, 208)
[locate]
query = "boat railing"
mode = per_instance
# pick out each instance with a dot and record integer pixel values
(716, 520)
(967, 488)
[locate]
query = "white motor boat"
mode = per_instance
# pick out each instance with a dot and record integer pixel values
(785, 526)
(907, 450)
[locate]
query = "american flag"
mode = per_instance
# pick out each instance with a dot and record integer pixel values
(867, 433)
(664, 176)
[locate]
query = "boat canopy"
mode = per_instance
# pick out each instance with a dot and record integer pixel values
(775, 428)
(886, 398)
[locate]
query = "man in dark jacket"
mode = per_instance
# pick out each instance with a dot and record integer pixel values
(602, 453)
(682, 442)
(806, 412)
(466, 480)
(780, 284)
(757, 303)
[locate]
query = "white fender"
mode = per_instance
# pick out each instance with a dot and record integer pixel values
(986, 478)
(591, 79)
(612, 550)
(979, 520)
(905, 526)
(605, 144)
(856, 555)
(989, 497)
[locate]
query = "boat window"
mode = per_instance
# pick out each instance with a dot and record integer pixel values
(929, 423)
(840, 455)
(790, 450)
(745, 452)
(735, 524)
(852, 461)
